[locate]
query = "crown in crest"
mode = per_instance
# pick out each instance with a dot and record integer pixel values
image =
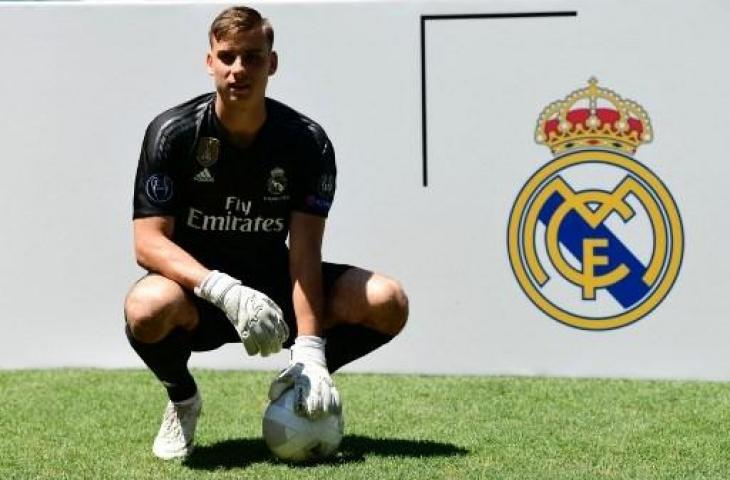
(593, 117)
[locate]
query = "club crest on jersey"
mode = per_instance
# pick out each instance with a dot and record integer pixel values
(207, 151)
(277, 182)
(595, 238)
(158, 188)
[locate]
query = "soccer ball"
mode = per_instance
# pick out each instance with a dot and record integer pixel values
(298, 439)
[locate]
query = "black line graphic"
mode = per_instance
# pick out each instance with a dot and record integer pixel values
(466, 16)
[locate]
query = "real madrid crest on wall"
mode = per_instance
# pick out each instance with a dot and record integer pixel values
(595, 238)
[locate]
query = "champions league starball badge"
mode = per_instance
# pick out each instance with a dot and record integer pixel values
(158, 188)
(595, 238)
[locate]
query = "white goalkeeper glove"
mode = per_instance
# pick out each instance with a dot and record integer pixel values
(257, 318)
(315, 392)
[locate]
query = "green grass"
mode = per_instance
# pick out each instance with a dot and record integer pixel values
(100, 424)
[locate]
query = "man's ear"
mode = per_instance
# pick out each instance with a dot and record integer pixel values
(274, 64)
(209, 63)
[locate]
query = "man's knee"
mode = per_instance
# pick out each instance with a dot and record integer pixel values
(152, 309)
(390, 303)
(144, 310)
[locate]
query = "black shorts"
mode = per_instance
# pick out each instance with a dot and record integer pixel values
(214, 329)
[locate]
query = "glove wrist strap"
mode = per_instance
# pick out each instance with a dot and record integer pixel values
(309, 349)
(214, 286)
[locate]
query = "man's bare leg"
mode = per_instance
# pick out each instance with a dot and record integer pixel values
(365, 310)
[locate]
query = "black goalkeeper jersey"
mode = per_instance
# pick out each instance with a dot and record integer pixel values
(232, 205)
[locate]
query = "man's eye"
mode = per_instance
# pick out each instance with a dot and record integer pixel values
(226, 58)
(253, 58)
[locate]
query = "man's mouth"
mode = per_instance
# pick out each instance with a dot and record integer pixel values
(239, 87)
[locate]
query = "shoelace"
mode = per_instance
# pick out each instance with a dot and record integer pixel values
(174, 418)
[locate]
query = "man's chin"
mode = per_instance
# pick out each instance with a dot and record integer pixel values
(238, 98)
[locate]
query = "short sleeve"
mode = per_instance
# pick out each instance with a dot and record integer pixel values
(317, 176)
(154, 186)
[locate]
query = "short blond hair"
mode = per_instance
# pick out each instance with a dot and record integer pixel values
(239, 19)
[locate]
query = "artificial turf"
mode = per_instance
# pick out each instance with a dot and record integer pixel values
(100, 424)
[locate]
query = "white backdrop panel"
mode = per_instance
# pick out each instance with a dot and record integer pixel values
(82, 80)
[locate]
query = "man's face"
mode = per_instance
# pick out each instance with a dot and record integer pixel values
(240, 65)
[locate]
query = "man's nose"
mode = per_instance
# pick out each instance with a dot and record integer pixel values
(238, 66)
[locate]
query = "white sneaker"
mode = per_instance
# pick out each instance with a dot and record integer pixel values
(175, 438)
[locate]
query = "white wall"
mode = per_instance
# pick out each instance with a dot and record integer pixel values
(81, 81)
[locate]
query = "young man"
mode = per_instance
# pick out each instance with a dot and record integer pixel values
(222, 180)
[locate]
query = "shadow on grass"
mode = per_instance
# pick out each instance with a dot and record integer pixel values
(243, 452)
